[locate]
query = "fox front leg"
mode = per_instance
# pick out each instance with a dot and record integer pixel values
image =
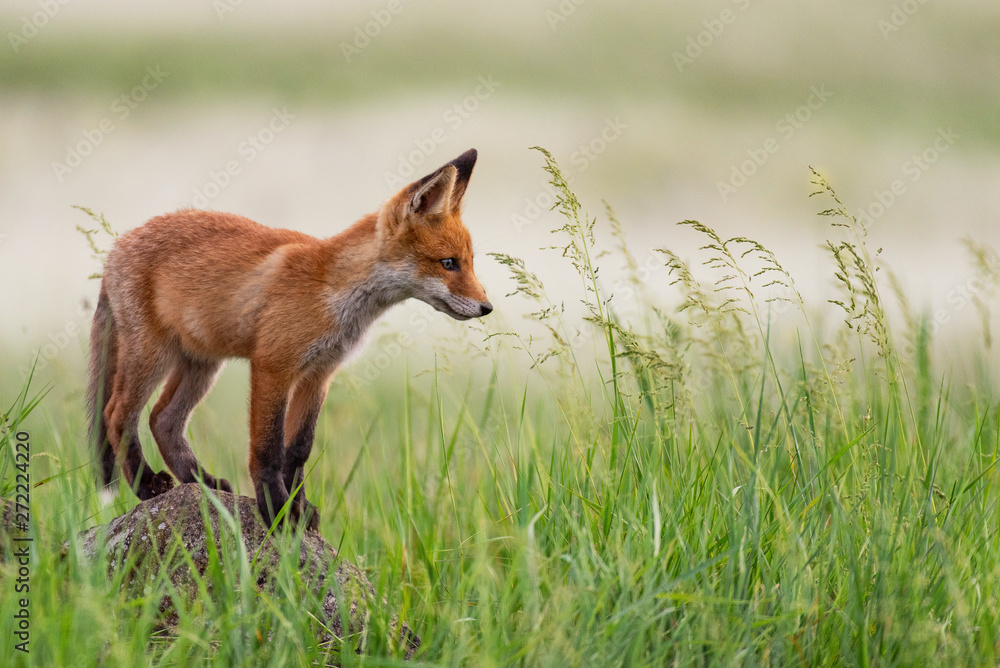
(300, 431)
(269, 392)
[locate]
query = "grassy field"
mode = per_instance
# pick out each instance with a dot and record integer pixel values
(743, 481)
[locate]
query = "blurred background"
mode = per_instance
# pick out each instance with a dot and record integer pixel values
(309, 114)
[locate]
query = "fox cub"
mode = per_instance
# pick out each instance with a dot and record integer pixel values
(187, 290)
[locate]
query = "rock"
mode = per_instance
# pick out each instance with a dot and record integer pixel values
(146, 534)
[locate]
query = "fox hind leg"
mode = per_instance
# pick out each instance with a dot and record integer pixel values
(188, 383)
(139, 372)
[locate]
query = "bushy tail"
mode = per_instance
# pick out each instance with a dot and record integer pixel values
(103, 360)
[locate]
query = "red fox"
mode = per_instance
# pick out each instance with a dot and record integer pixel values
(187, 290)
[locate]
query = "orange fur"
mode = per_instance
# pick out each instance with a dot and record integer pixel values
(189, 289)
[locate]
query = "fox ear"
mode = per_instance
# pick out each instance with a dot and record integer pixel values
(464, 164)
(434, 192)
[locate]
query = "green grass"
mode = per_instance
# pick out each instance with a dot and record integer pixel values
(712, 485)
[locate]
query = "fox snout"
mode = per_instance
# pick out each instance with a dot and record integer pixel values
(461, 307)
(478, 311)
(467, 298)
(485, 308)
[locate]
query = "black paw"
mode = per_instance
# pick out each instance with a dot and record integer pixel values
(220, 484)
(301, 513)
(154, 485)
(292, 476)
(305, 514)
(269, 504)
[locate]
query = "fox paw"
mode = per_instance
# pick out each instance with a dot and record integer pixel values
(157, 484)
(305, 514)
(300, 512)
(220, 484)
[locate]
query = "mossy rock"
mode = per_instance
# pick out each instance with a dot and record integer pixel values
(148, 540)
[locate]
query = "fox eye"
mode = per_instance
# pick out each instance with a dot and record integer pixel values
(450, 263)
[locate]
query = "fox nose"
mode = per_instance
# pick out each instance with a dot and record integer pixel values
(485, 309)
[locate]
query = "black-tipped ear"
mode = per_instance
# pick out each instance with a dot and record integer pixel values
(464, 164)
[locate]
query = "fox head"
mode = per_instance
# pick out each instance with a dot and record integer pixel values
(422, 229)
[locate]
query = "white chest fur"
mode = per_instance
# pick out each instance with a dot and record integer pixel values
(353, 312)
